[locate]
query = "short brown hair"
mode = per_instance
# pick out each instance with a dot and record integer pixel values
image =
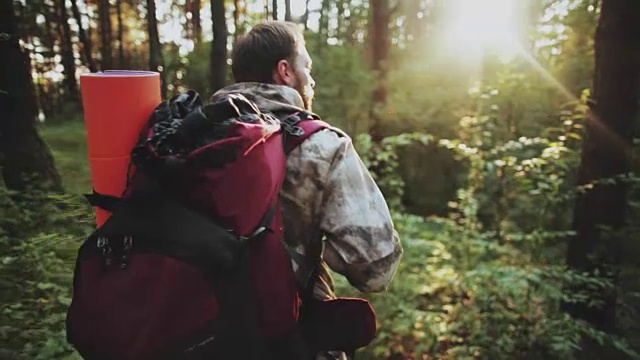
(256, 54)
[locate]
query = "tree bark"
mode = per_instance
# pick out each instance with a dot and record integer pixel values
(305, 16)
(239, 28)
(24, 154)
(156, 63)
(68, 56)
(194, 27)
(121, 60)
(274, 9)
(606, 153)
(84, 39)
(196, 23)
(218, 61)
(287, 10)
(380, 44)
(104, 10)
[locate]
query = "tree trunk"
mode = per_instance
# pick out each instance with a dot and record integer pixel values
(606, 153)
(104, 10)
(195, 21)
(121, 60)
(287, 10)
(274, 9)
(239, 29)
(380, 44)
(68, 56)
(156, 62)
(305, 16)
(194, 27)
(84, 39)
(24, 154)
(219, 48)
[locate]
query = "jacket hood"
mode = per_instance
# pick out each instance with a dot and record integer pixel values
(268, 97)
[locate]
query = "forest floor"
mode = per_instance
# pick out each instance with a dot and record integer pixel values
(68, 145)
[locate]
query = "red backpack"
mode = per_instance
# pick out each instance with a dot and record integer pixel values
(192, 264)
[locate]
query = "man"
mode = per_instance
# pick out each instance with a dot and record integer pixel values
(328, 190)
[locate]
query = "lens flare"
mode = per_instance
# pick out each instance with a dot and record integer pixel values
(479, 26)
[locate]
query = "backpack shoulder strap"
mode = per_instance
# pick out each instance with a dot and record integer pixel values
(300, 126)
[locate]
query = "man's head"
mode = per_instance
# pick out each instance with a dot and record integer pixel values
(274, 52)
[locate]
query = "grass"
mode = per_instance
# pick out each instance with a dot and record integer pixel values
(68, 145)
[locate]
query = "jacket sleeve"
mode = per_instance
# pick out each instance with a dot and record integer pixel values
(362, 243)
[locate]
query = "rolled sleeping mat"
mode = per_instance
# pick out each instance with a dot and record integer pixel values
(117, 104)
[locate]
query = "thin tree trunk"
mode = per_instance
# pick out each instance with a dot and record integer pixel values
(274, 9)
(606, 153)
(287, 10)
(380, 44)
(196, 23)
(266, 9)
(68, 56)
(84, 39)
(236, 19)
(156, 62)
(24, 153)
(104, 10)
(305, 16)
(219, 48)
(194, 27)
(121, 60)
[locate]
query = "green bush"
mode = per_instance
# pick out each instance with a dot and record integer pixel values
(484, 282)
(39, 235)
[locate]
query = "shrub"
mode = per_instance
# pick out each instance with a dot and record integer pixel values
(39, 234)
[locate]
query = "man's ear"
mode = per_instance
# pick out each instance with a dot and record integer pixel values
(283, 73)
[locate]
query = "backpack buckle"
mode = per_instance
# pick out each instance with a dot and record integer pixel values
(291, 120)
(294, 131)
(289, 124)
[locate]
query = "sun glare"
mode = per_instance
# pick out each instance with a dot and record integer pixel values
(478, 26)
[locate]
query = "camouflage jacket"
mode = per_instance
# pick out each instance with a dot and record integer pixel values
(328, 191)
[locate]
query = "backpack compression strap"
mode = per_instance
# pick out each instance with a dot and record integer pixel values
(103, 201)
